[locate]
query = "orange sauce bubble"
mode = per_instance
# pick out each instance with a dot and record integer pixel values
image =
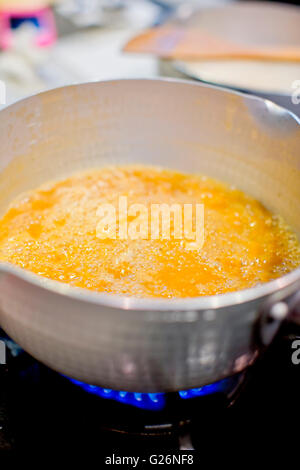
(51, 231)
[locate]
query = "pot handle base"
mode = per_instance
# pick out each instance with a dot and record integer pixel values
(274, 313)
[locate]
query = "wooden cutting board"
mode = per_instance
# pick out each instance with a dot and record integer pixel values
(188, 43)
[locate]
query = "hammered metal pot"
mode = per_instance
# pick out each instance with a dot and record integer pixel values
(146, 345)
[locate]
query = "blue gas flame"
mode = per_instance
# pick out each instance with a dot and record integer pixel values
(155, 401)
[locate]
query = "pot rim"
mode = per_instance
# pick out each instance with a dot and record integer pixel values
(212, 302)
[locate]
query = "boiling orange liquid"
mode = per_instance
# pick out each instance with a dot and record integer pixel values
(51, 231)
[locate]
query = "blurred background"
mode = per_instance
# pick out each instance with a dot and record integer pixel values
(45, 44)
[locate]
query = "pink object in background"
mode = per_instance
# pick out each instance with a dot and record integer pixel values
(46, 31)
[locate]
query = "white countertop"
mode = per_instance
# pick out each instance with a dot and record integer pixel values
(87, 55)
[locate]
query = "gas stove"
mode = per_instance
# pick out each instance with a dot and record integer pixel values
(41, 410)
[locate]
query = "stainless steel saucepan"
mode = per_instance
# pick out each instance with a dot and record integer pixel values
(146, 345)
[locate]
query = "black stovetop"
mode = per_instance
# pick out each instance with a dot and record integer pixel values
(41, 411)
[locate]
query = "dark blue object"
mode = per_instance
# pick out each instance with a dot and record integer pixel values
(16, 22)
